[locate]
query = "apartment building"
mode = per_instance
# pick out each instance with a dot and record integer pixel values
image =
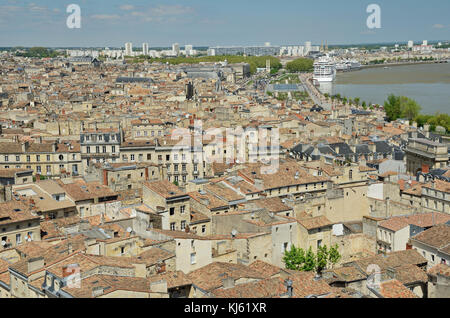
(100, 145)
(45, 159)
(423, 155)
(147, 128)
(18, 224)
(124, 176)
(48, 199)
(169, 201)
(179, 163)
(436, 196)
(433, 244)
(394, 233)
(90, 198)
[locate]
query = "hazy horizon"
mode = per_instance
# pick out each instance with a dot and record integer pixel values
(204, 23)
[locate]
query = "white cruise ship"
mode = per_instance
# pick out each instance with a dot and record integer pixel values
(347, 66)
(324, 70)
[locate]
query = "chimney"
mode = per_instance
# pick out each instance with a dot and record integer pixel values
(228, 282)
(391, 272)
(69, 248)
(140, 270)
(158, 286)
(25, 146)
(259, 184)
(290, 290)
(35, 264)
(97, 291)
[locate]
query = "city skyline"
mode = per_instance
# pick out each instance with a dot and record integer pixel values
(201, 23)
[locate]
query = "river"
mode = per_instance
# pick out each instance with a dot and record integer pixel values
(428, 84)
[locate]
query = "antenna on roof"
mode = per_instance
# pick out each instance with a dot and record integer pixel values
(234, 233)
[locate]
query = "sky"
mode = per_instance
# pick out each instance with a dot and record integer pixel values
(111, 23)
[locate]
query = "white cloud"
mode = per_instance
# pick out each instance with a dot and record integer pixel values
(163, 13)
(368, 32)
(138, 14)
(105, 16)
(170, 10)
(438, 26)
(126, 7)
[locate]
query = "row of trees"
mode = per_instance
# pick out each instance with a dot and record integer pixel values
(40, 52)
(255, 62)
(355, 101)
(401, 107)
(442, 120)
(300, 260)
(300, 65)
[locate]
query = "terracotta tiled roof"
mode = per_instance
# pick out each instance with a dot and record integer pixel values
(210, 276)
(438, 185)
(274, 204)
(441, 269)
(395, 289)
(267, 288)
(408, 274)
(314, 222)
(265, 269)
(423, 220)
(15, 211)
(173, 279)
(438, 236)
(109, 284)
(164, 188)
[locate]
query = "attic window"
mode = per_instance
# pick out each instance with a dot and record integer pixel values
(17, 210)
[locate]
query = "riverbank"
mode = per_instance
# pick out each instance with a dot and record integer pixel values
(402, 64)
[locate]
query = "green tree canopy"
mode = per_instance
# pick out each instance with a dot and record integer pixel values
(300, 65)
(254, 61)
(298, 259)
(401, 107)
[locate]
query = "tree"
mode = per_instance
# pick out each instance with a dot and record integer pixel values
(333, 255)
(321, 258)
(392, 107)
(300, 65)
(409, 108)
(294, 259)
(310, 261)
(401, 107)
(298, 259)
